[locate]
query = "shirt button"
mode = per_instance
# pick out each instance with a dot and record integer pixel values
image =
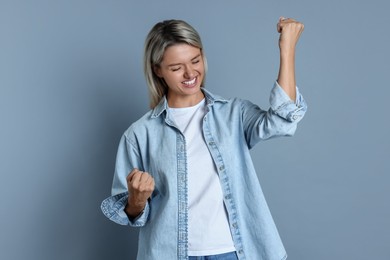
(295, 117)
(240, 251)
(211, 143)
(221, 168)
(234, 225)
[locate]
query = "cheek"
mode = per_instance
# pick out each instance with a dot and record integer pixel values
(200, 67)
(172, 79)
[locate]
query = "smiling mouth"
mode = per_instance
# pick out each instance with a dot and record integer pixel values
(190, 82)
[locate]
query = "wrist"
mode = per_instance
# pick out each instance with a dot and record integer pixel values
(287, 53)
(135, 203)
(133, 209)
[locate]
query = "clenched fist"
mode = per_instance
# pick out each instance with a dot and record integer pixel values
(140, 186)
(290, 30)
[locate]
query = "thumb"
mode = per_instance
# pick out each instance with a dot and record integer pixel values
(278, 26)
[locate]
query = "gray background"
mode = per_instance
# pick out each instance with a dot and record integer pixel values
(71, 82)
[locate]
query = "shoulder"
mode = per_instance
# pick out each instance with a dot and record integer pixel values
(234, 104)
(139, 126)
(225, 103)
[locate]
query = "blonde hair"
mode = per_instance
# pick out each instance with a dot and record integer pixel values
(163, 35)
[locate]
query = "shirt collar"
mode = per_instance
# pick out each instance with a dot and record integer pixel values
(210, 100)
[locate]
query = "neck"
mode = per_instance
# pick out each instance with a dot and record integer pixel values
(176, 102)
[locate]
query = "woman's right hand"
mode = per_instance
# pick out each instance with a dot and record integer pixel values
(140, 186)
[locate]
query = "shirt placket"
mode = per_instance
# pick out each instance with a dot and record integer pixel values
(182, 193)
(182, 197)
(225, 184)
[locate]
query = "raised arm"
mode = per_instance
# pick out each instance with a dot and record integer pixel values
(290, 31)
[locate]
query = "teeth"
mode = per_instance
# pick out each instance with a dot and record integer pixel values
(190, 82)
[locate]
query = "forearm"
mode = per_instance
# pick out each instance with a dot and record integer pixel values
(290, 31)
(134, 208)
(286, 77)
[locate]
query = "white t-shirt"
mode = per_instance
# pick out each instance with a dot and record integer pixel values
(208, 226)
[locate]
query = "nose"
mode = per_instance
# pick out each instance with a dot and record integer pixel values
(189, 72)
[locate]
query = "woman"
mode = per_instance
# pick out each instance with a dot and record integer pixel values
(183, 171)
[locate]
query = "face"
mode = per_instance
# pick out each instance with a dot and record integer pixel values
(182, 68)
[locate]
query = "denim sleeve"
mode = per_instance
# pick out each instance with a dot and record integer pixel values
(113, 206)
(281, 119)
(282, 105)
(114, 209)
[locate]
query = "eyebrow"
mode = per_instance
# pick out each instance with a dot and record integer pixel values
(176, 64)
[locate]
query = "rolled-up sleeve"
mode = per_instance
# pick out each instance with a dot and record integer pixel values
(283, 106)
(280, 119)
(113, 207)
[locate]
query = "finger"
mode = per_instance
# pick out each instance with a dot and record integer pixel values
(302, 27)
(144, 178)
(150, 182)
(282, 22)
(136, 178)
(131, 174)
(147, 183)
(300, 32)
(131, 178)
(285, 19)
(277, 24)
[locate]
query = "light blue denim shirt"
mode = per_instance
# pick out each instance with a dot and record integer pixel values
(231, 127)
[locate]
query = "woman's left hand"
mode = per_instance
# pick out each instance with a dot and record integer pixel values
(290, 30)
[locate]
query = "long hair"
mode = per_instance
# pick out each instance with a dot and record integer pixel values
(163, 35)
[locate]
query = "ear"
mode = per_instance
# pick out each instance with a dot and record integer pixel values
(157, 71)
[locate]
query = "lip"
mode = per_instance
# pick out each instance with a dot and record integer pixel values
(190, 85)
